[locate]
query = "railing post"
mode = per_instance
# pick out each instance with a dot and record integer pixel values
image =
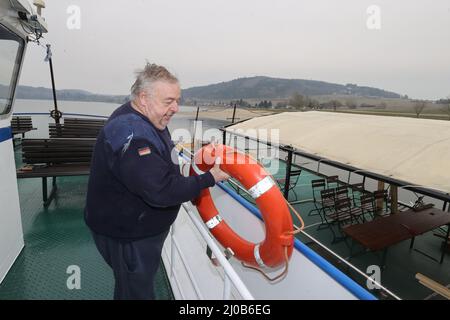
(172, 250)
(257, 150)
(224, 137)
(247, 145)
(288, 173)
(193, 135)
(318, 165)
(234, 113)
(235, 142)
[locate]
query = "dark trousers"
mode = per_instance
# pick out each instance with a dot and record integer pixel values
(134, 264)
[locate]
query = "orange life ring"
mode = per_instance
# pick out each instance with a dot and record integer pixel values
(278, 243)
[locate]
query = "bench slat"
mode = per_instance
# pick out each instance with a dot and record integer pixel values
(60, 151)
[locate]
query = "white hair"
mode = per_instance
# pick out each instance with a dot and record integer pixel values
(146, 77)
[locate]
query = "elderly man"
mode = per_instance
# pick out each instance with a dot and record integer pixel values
(135, 187)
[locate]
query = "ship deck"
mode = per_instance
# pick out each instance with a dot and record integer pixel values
(56, 237)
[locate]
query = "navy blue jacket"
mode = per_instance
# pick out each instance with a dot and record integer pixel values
(135, 188)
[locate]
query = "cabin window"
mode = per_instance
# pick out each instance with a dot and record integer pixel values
(11, 51)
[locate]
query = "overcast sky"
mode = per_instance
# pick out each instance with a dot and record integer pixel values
(210, 41)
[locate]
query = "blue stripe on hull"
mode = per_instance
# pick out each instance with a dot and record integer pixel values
(5, 134)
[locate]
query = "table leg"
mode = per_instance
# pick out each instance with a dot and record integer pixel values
(445, 244)
(47, 199)
(383, 258)
(351, 250)
(44, 189)
(412, 242)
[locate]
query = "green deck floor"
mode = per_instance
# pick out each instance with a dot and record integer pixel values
(56, 238)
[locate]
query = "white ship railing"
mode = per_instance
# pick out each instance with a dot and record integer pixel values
(230, 275)
(351, 266)
(341, 259)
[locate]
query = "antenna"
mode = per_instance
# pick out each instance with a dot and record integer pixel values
(40, 4)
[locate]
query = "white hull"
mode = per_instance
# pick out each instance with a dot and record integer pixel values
(11, 235)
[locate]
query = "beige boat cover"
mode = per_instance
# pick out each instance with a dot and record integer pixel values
(416, 151)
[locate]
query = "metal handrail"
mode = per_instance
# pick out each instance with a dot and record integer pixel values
(425, 190)
(175, 246)
(351, 266)
(230, 273)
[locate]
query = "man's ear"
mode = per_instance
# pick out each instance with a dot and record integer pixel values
(142, 99)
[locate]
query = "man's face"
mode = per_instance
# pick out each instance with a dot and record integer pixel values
(161, 104)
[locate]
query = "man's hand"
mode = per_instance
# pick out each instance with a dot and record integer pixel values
(217, 173)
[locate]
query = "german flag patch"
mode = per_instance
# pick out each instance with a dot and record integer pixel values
(144, 151)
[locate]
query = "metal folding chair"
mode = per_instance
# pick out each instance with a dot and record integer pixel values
(316, 186)
(294, 177)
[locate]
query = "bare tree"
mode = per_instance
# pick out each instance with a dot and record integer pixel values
(419, 105)
(297, 101)
(313, 104)
(382, 105)
(350, 103)
(335, 104)
(446, 107)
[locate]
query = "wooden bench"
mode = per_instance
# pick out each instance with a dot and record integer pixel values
(87, 121)
(433, 285)
(44, 158)
(76, 128)
(21, 125)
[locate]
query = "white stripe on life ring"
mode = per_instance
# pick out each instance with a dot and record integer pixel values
(258, 257)
(213, 222)
(261, 187)
(196, 168)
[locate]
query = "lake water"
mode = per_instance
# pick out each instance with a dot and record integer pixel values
(40, 111)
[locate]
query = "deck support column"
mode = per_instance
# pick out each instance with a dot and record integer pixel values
(287, 180)
(224, 137)
(394, 199)
(379, 202)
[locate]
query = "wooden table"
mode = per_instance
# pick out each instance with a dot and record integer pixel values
(384, 232)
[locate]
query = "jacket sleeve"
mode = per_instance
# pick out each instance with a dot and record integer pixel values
(142, 170)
